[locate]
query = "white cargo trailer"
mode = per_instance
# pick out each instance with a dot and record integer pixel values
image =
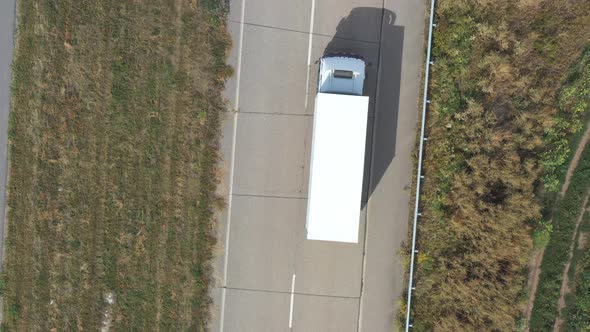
(338, 151)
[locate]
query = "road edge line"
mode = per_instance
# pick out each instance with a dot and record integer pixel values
(231, 176)
(309, 44)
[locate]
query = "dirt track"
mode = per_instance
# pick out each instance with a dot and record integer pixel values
(565, 283)
(537, 258)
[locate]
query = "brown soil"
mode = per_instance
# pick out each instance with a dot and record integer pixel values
(537, 258)
(533, 282)
(583, 241)
(564, 285)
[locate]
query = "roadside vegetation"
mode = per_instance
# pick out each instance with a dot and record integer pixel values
(577, 312)
(561, 254)
(113, 137)
(568, 211)
(502, 114)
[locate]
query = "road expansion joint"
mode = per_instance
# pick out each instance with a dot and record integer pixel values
(305, 32)
(289, 293)
(268, 196)
(270, 113)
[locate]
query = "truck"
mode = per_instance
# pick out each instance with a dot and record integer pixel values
(338, 150)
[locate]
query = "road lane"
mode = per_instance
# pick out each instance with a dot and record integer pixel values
(358, 20)
(7, 21)
(314, 313)
(270, 158)
(329, 268)
(251, 214)
(280, 15)
(339, 287)
(391, 174)
(256, 311)
(274, 66)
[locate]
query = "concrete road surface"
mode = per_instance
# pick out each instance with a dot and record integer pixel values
(270, 278)
(7, 11)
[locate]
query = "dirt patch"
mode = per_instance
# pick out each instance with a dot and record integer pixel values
(583, 241)
(107, 317)
(533, 282)
(565, 284)
(565, 289)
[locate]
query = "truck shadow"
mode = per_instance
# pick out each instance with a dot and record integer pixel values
(383, 53)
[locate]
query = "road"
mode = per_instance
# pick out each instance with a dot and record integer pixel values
(7, 21)
(269, 277)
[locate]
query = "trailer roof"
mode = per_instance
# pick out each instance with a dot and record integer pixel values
(337, 165)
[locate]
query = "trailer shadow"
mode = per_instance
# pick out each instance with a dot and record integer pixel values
(384, 59)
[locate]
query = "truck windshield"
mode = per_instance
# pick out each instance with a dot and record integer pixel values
(343, 74)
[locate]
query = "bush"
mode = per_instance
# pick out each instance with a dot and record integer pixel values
(542, 233)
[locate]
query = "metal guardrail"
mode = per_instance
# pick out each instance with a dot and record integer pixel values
(419, 176)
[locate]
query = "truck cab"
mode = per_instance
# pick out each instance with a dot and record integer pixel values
(341, 74)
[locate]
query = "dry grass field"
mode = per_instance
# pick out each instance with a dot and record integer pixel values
(113, 151)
